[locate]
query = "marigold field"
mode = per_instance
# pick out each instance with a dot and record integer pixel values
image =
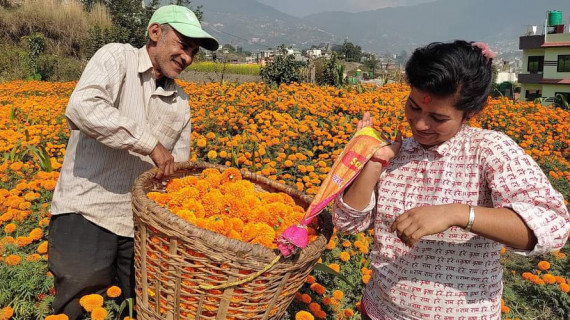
(291, 134)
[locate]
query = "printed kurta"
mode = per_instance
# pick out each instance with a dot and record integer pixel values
(454, 274)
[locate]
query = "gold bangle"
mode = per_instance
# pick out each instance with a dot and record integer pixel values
(471, 219)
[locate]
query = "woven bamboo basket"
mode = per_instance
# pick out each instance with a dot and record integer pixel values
(173, 258)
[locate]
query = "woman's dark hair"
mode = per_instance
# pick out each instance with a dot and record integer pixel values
(455, 68)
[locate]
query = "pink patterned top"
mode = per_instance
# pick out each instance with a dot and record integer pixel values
(453, 274)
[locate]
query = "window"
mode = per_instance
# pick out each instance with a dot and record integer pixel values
(530, 95)
(563, 63)
(535, 64)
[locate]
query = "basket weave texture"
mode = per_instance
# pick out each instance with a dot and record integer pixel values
(173, 258)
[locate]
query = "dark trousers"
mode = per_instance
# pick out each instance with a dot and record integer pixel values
(84, 259)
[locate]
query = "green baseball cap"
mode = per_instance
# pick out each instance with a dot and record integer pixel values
(184, 21)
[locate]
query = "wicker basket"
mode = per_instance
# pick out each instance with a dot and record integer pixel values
(173, 257)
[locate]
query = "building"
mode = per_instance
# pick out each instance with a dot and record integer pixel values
(546, 60)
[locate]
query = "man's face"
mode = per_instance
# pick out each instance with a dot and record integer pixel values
(173, 53)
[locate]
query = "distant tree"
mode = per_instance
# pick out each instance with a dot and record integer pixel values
(229, 47)
(283, 69)
(351, 52)
(371, 62)
(333, 72)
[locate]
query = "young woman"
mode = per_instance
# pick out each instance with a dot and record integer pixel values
(443, 202)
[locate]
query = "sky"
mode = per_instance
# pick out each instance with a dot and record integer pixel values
(302, 8)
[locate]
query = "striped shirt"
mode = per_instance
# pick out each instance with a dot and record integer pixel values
(116, 116)
(453, 274)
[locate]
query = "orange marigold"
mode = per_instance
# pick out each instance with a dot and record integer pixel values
(338, 294)
(91, 301)
(9, 228)
(348, 312)
(57, 317)
(314, 307)
(6, 313)
(335, 267)
(43, 247)
(98, 313)
(305, 298)
(36, 234)
(113, 292)
(231, 175)
(318, 289)
(543, 265)
(13, 260)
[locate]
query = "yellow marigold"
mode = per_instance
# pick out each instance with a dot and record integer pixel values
(212, 154)
(210, 135)
(201, 143)
(338, 294)
(304, 315)
(543, 265)
(113, 292)
(335, 267)
(9, 228)
(16, 166)
(346, 244)
(98, 313)
(344, 256)
(223, 154)
(6, 313)
(36, 234)
(13, 260)
(91, 301)
(42, 248)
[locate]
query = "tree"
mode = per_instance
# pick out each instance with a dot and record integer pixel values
(351, 52)
(333, 72)
(283, 69)
(371, 62)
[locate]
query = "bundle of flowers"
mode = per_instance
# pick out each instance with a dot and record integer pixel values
(225, 203)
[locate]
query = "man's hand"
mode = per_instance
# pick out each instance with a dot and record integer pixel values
(163, 160)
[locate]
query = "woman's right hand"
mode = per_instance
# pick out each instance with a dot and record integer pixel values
(387, 152)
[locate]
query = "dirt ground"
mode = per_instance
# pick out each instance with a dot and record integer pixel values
(203, 77)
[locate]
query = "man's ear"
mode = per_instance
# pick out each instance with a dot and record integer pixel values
(154, 32)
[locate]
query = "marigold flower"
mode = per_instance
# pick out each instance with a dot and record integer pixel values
(314, 307)
(338, 294)
(91, 301)
(33, 257)
(113, 292)
(335, 267)
(310, 279)
(6, 313)
(36, 234)
(57, 317)
(348, 312)
(505, 309)
(305, 298)
(344, 256)
(346, 244)
(549, 278)
(318, 289)
(201, 143)
(212, 155)
(13, 260)
(98, 313)
(42, 248)
(326, 301)
(304, 315)
(365, 278)
(564, 287)
(9, 228)
(543, 265)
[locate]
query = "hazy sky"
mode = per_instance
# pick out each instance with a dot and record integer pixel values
(301, 8)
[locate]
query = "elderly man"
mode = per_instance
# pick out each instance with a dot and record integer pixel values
(125, 115)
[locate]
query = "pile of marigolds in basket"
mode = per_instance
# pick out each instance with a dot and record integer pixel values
(225, 203)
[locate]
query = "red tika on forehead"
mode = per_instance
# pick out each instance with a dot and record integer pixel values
(427, 99)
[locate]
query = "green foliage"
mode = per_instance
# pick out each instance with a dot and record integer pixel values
(230, 68)
(333, 72)
(283, 69)
(350, 52)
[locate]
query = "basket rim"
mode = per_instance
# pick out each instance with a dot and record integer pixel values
(181, 229)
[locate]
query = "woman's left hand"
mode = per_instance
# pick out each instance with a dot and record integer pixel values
(415, 223)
